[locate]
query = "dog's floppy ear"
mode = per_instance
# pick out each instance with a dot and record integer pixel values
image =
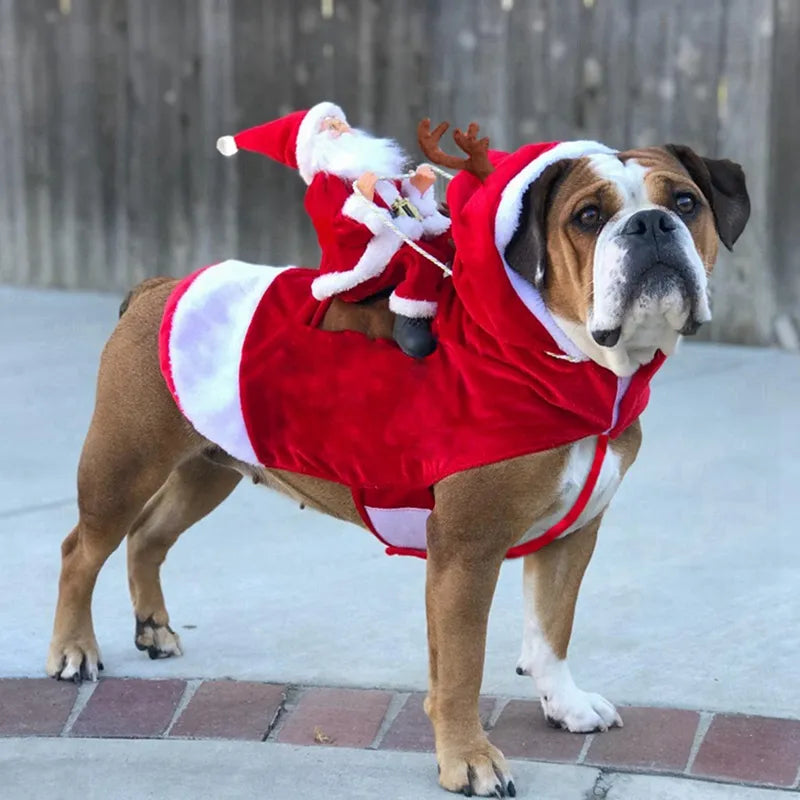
(722, 182)
(526, 253)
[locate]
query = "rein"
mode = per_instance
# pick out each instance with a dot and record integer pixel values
(392, 227)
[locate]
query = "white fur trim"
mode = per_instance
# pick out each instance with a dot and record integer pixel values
(375, 258)
(435, 224)
(366, 212)
(227, 145)
(507, 221)
(419, 309)
(308, 129)
(400, 527)
(425, 203)
(205, 348)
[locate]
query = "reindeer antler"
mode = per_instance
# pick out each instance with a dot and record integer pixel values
(477, 150)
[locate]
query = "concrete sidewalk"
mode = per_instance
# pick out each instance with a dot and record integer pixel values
(119, 770)
(690, 600)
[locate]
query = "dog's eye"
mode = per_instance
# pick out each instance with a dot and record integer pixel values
(685, 202)
(589, 218)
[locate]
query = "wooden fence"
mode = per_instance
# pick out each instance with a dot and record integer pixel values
(109, 111)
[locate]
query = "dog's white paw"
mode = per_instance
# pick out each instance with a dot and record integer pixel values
(580, 712)
(160, 641)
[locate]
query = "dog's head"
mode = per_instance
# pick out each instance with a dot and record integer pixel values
(621, 244)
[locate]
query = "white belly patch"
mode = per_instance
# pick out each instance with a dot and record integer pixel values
(573, 480)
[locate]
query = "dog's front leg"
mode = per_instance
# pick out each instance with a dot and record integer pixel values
(462, 572)
(552, 578)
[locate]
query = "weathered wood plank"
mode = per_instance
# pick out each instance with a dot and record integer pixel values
(784, 162)
(744, 289)
(111, 109)
(14, 255)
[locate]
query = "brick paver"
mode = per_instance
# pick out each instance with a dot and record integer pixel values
(522, 732)
(230, 710)
(654, 739)
(750, 749)
(412, 730)
(759, 751)
(340, 717)
(35, 707)
(129, 709)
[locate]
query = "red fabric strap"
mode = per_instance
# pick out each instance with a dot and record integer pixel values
(572, 515)
(525, 549)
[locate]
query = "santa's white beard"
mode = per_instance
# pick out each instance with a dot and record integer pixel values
(351, 154)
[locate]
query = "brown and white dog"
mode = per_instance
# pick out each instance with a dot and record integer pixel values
(621, 245)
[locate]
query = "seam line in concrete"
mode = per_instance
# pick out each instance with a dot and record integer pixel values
(500, 704)
(85, 691)
(188, 693)
(22, 510)
(279, 712)
(394, 708)
(703, 725)
(587, 743)
(291, 697)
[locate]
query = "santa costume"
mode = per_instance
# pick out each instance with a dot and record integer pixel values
(361, 254)
(245, 360)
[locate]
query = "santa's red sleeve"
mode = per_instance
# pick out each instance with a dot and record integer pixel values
(355, 241)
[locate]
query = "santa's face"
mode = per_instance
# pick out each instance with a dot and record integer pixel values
(349, 152)
(334, 126)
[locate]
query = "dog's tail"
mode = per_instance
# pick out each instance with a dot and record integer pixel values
(140, 289)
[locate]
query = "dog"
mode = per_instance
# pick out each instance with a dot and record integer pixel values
(619, 247)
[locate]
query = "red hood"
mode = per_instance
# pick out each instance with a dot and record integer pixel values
(484, 218)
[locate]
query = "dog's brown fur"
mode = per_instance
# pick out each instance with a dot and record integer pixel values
(146, 473)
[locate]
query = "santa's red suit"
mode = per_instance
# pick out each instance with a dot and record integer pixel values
(361, 255)
(245, 361)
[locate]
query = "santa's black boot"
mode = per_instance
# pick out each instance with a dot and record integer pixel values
(413, 336)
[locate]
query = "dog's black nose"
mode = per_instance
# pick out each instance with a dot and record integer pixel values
(653, 221)
(607, 338)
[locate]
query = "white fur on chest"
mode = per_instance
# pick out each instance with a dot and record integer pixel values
(573, 480)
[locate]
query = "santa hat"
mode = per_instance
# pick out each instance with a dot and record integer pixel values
(288, 140)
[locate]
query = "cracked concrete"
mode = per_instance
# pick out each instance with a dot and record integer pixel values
(602, 786)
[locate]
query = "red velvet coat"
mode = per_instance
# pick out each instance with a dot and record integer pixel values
(273, 389)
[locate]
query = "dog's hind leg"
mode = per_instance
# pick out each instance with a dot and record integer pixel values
(552, 578)
(112, 490)
(135, 439)
(194, 489)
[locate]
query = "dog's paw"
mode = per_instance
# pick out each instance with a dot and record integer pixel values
(160, 641)
(580, 712)
(482, 771)
(75, 662)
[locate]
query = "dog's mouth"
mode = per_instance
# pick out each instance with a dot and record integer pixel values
(660, 296)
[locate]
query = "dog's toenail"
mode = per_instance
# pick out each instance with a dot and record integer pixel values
(511, 789)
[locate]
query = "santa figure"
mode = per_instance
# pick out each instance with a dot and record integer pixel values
(361, 254)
